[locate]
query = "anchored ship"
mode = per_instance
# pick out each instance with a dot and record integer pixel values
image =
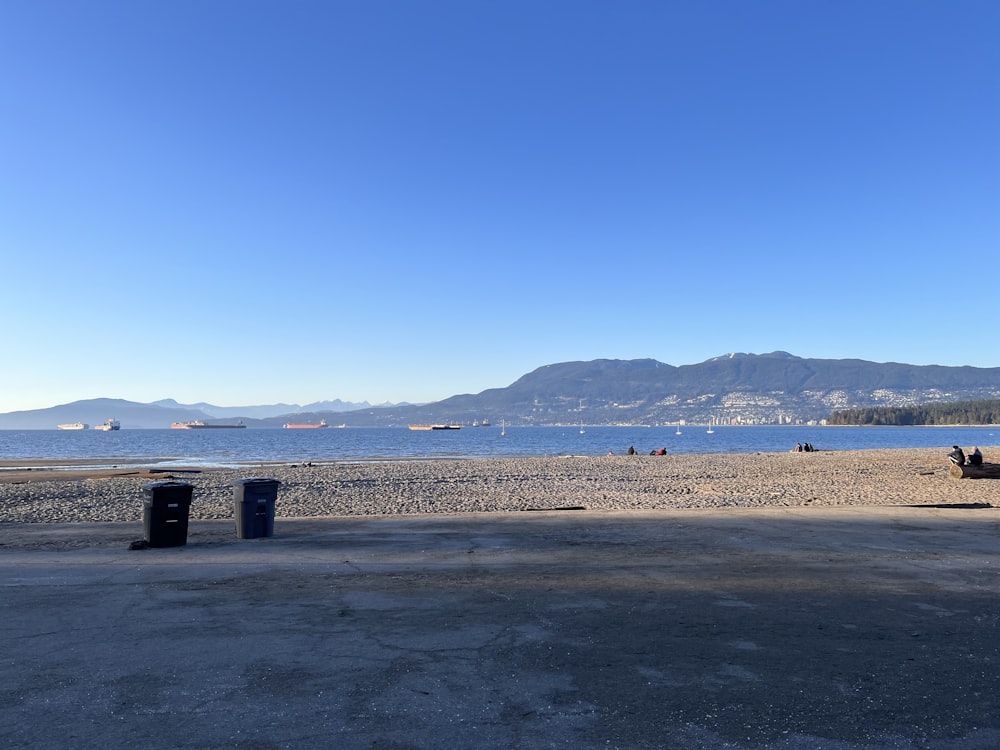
(435, 427)
(305, 425)
(73, 426)
(110, 424)
(199, 425)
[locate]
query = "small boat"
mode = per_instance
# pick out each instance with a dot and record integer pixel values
(710, 430)
(305, 425)
(73, 426)
(678, 430)
(421, 427)
(503, 428)
(109, 425)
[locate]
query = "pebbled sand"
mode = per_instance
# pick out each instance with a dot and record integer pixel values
(612, 483)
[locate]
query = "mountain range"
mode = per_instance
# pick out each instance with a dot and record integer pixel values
(736, 388)
(270, 410)
(158, 414)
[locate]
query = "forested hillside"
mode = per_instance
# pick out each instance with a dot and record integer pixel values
(956, 412)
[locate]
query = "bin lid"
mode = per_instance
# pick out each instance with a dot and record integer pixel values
(256, 480)
(165, 483)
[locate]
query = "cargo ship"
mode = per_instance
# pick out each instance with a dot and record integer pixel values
(109, 425)
(435, 427)
(73, 426)
(199, 425)
(305, 425)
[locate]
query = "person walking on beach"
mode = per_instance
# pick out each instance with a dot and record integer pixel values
(957, 456)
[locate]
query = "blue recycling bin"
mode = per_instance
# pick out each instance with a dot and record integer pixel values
(254, 506)
(165, 513)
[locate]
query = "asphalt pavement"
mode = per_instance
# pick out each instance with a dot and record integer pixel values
(839, 629)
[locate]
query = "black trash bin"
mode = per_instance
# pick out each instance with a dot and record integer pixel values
(165, 513)
(254, 506)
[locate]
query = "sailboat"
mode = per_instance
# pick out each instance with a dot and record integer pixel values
(678, 430)
(503, 428)
(710, 430)
(581, 428)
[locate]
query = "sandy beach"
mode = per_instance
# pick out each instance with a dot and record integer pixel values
(606, 483)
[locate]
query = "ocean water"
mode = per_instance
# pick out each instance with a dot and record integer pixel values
(233, 447)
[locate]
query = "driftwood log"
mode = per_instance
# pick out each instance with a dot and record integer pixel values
(983, 471)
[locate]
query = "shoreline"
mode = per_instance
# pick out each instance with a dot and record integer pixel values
(68, 470)
(874, 477)
(15, 471)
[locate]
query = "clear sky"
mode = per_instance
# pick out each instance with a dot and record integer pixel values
(249, 201)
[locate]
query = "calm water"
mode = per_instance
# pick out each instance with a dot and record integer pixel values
(229, 447)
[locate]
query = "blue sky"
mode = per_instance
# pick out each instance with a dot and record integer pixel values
(247, 202)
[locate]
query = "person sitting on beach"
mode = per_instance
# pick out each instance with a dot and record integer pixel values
(975, 458)
(797, 448)
(661, 452)
(957, 456)
(631, 450)
(807, 447)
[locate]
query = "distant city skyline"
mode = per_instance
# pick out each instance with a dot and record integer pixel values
(386, 201)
